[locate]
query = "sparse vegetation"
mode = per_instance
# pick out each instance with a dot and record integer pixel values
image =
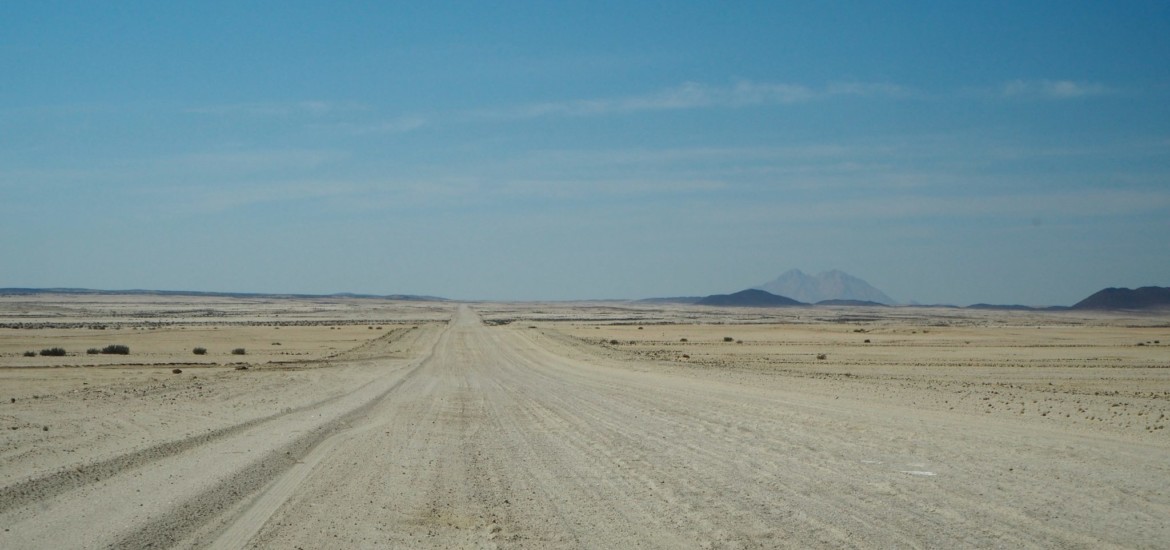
(614, 342)
(93, 351)
(53, 352)
(239, 351)
(30, 354)
(822, 356)
(116, 349)
(200, 351)
(728, 339)
(682, 339)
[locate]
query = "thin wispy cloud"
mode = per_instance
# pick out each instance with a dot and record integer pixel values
(916, 207)
(870, 89)
(1052, 89)
(694, 95)
(237, 162)
(213, 198)
(398, 125)
(279, 108)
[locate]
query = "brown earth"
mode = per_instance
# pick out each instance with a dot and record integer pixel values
(580, 425)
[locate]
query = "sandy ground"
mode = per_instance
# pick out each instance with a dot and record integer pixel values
(581, 425)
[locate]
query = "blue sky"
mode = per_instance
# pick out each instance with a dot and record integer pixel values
(1006, 152)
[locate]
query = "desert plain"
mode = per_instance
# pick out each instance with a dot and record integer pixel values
(364, 423)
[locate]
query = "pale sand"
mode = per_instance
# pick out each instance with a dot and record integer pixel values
(523, 426)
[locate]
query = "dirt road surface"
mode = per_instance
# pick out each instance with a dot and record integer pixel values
(507, 437)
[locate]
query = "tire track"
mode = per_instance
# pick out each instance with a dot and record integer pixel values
(281, 484)
(29, 491)
(176, 524)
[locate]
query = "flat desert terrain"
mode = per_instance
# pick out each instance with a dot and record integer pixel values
(360, 423)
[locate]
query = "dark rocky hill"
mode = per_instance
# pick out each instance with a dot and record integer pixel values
(1146, 297)
(751, 297)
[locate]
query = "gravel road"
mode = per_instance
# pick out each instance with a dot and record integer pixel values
(508, 437)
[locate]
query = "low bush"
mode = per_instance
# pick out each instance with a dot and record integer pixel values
(200, 351)
(728, 339)
(239, 351)
(116, 349)
(53, 352)
(93, 351)
(30, 354)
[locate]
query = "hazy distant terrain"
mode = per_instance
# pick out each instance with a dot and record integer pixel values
(828, 285)
(352, 422)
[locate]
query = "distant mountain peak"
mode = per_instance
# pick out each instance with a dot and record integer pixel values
(833, 284)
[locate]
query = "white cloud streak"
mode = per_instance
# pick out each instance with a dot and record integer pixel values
(279, 109)
(693, 95)
(1052, 89)
(400, 125)
(909, 208)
